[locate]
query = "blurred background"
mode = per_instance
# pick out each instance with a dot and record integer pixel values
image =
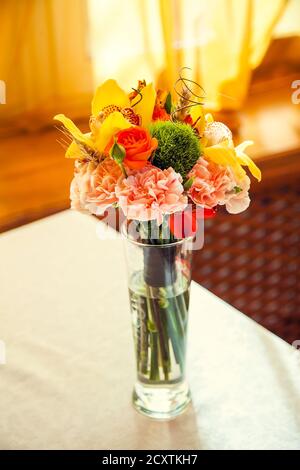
(245, 54)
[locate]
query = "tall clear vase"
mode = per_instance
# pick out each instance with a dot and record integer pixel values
(159, 277)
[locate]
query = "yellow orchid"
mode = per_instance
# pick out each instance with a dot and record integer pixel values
(108, 94)
(86, 139)
(111, 125)
(74, 131)
(200, 118)
(74, 151)
(226, 155)
(245, 160)
(146, 105)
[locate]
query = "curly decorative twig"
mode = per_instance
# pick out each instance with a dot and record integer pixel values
(187, 97)
(140, 95)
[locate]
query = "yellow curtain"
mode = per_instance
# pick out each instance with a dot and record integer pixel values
(51, 50)
(44, 61)
(126, 40)
(221, 40)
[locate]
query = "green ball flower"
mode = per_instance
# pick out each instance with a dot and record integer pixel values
(178, 146)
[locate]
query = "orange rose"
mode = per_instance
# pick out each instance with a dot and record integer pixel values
(138, 145)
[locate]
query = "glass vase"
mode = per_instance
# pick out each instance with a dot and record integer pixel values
(159, 276)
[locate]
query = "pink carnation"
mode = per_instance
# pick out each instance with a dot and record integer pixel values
(238, 199)
(103, 182)
(93, 188)
(216, 185)
(79, 186)
(150, 193)
(211, 183)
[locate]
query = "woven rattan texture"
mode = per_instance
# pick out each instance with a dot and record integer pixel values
(252, 260)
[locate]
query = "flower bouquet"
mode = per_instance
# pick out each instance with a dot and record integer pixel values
(167, 165)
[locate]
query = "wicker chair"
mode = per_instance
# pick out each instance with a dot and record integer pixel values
(252, 260)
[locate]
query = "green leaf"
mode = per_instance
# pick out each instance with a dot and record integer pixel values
(168, 103)
(237, 189)
(163, 302)
(117, 152)
(188, 184)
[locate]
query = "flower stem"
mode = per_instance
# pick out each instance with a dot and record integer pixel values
(160, 330)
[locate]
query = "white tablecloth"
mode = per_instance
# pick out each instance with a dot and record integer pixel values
(69, 369)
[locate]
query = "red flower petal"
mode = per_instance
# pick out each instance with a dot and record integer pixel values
(183, 224)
